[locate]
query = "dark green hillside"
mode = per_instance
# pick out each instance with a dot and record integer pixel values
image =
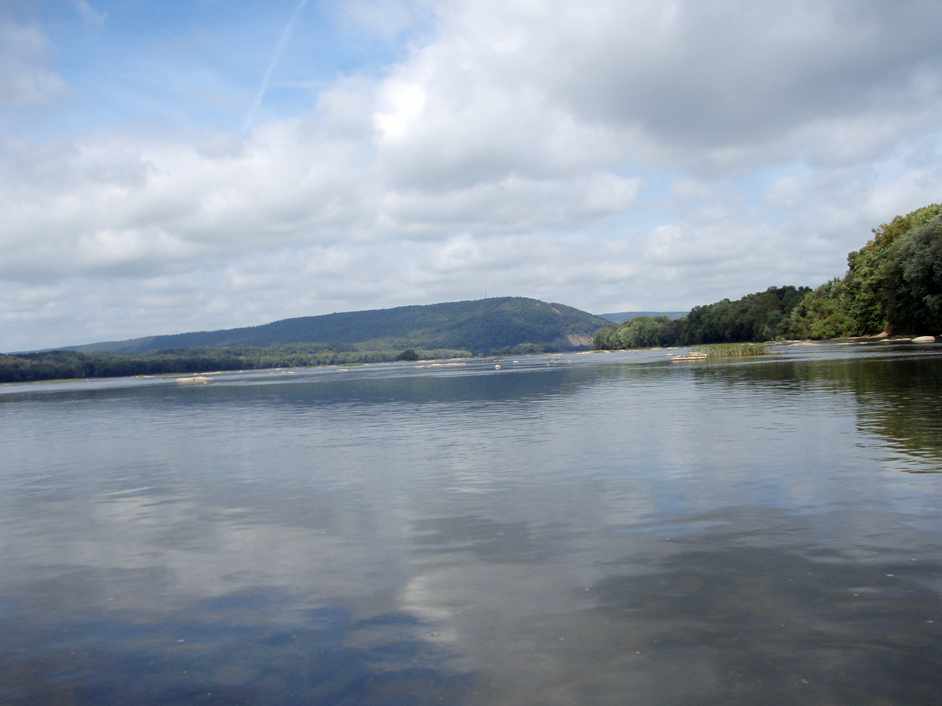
(482, 326)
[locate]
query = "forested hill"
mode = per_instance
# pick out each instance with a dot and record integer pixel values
(481, 326)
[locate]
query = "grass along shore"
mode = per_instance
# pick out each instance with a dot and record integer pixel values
(721, 351)
(734, 350)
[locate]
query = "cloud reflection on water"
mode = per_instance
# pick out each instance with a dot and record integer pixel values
(709, 535)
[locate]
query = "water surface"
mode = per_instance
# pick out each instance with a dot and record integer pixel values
(596, 529)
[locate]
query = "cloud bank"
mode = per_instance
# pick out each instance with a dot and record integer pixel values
(624, 155)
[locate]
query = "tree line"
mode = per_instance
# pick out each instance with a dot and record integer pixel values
(58, 365)
(892, 284)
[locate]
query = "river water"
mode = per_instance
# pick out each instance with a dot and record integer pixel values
(575, 529)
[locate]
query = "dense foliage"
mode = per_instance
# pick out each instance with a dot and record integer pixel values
(893, 284)
(755, 317)
(875, 271)
(483, 326)
(641, 332)
(821, 314)
(913, 282)
(55, 365)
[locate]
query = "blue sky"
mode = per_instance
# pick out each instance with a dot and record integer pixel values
(609, 155)
(193, 66)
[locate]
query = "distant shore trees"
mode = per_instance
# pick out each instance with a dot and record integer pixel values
(59, 365)
(892, 284)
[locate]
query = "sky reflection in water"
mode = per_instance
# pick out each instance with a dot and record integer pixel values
(568, 530)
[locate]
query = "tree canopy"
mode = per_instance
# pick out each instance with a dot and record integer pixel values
(893, 283)
(755, 317)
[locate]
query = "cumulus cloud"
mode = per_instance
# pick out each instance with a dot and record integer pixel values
(623, 155)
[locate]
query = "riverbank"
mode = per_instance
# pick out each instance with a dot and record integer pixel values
(73, 365)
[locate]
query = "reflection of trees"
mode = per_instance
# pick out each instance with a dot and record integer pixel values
(901, 402)
(898, 399)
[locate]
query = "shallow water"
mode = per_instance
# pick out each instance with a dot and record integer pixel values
(577, 529)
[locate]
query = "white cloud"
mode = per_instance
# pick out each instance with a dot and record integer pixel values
(402, 111)
(605, 156)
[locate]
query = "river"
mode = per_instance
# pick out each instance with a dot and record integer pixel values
(564, 529)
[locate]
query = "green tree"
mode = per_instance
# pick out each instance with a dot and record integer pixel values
(869, 281)
(914, 280)
(820, 314)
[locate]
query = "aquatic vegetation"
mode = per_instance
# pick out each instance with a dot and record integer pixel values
(734, 350)
(721, 350)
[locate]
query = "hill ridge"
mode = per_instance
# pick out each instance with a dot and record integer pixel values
(477, 325)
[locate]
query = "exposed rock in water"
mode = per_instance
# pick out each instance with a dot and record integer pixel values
(689, 357)
(924, 339)
(194, 380)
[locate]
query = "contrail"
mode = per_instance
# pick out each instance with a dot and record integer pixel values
(272, 63)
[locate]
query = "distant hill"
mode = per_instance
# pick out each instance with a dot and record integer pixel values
(619, 317)
(481, 326)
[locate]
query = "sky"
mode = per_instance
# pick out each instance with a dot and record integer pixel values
(201, 164)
